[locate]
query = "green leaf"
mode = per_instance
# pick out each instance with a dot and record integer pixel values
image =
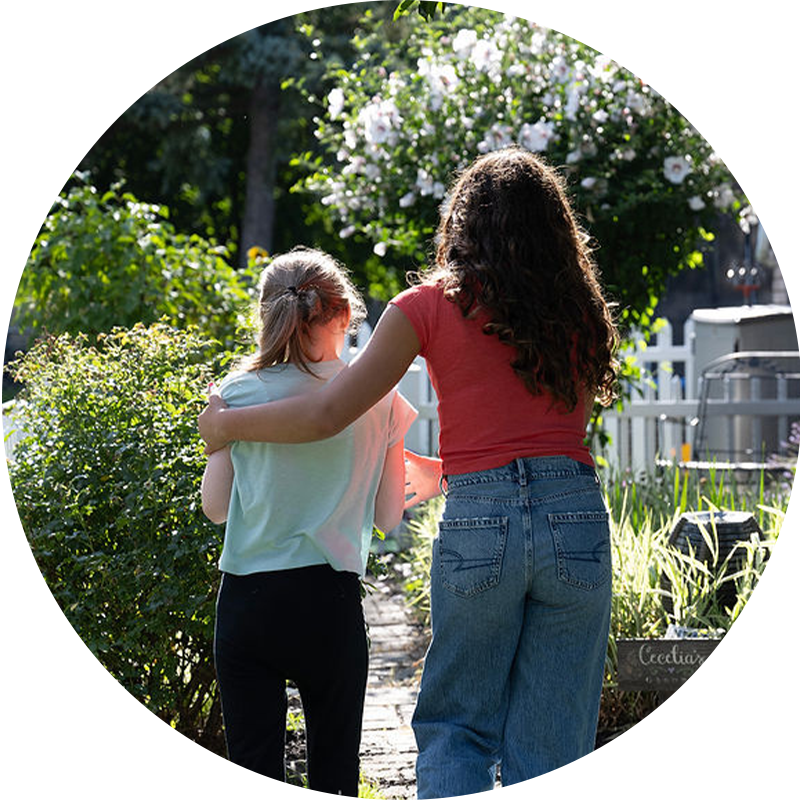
(403, 8)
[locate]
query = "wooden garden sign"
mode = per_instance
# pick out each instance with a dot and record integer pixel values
(661, 665)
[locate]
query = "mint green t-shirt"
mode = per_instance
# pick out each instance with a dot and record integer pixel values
(295, 505)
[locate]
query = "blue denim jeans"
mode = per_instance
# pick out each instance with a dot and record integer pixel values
(520, 608)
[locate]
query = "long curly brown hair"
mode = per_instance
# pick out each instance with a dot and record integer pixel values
(509, 246)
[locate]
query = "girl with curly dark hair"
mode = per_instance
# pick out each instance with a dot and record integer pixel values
(519, 343)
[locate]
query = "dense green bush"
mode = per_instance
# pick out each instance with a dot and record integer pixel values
(646, 569)
(106, 259)
(106, 477)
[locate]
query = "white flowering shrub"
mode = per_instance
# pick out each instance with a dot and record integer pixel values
(404, 116)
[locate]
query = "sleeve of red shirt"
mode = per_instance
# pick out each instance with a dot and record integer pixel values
(419, 306)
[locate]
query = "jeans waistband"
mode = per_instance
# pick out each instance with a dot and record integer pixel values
(524, 471)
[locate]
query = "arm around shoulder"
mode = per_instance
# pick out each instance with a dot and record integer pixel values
(321, 414)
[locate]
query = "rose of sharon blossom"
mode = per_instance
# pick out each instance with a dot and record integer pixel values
(536, 137)
(380, 120)
(463, 43)
(486, 56)
(335, 103)
(496, 137)
(582, 109)
(676, 168)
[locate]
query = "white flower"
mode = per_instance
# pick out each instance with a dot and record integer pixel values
(344, 233)
(588, 183)
(636, 102)
(748, 221)
(464, 42)
(372, 171)
(335, 102)
(486, 56)
(560, 70)
(441, 78)
(355, 166)
(724, 196)
(350, 139)
(601, 116)
(380, 249)
(696, 203)
(603, 69)
(496, 137)
(438, 75)
(676, 168)
(574, 156)
(573, 104)
(424, 182)
(380, 120)
(536, 137)
(407, 200)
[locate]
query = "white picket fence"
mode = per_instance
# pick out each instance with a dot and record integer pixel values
(662, 420)
(735, 412)
(659, 420)
(660, 423)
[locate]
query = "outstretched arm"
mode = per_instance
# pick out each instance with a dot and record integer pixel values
(423, 476)
(321, 414)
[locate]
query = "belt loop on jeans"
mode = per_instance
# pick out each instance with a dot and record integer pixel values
(443, 485)
(523, 477)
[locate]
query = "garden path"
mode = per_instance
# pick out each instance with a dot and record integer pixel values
(388, 749)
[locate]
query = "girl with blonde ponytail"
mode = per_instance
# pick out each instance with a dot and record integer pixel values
(299, 520)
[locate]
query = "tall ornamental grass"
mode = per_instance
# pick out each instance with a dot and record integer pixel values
(654, 583)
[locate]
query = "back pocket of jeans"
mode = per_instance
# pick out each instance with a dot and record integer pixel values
(471, 553)
(583, 549)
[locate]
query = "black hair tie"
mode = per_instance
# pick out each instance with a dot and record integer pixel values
(292, 290)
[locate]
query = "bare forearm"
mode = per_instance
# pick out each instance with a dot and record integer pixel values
(390, 499)
(290, 421)
(216, 486)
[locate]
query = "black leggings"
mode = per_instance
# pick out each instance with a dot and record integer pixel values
(306, 625)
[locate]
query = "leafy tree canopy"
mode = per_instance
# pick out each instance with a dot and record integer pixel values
(162, 94)
(749, 45)
(105, 259)
(153, 92)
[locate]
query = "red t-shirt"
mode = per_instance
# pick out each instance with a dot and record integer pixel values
(487, 417)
